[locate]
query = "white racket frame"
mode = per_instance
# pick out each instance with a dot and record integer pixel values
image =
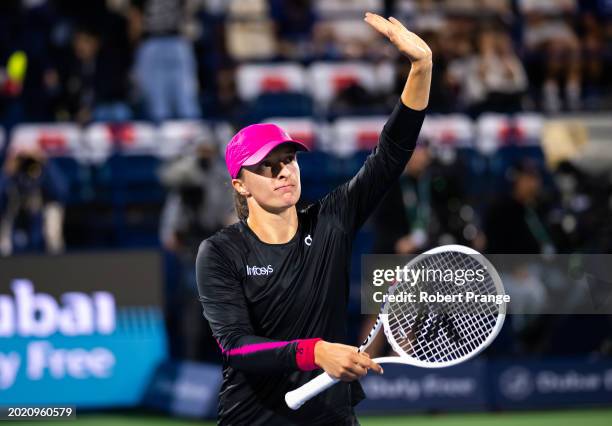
(297, 397)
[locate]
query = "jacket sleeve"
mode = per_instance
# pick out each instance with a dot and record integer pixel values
(225, 307)
(352, 202)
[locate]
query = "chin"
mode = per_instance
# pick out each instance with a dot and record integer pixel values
(286, 204)
(291, 203)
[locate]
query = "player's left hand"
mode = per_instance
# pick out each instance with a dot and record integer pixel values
(407, 42)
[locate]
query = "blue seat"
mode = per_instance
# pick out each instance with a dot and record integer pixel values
(317, 166)
(133, 179)
(475, 168)
(78, 178)
(130, 184)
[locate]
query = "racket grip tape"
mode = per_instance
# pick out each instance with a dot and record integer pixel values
(296, 398)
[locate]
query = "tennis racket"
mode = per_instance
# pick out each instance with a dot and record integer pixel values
(432, 334)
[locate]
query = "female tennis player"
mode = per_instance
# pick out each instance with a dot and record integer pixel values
(274, 286)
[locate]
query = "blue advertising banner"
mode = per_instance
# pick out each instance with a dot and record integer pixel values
(409, 389)
(551, 383)
(84, 330)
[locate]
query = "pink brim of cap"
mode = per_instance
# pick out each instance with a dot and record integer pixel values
(267, 148)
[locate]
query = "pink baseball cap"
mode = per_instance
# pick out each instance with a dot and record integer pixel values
(251, 145)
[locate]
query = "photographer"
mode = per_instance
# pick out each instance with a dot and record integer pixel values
(199, 200)
(32, 194)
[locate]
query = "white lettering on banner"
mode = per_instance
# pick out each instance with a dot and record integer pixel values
(79, 319)
(570, 381)
(518, 383)
(430, 386)
(436, 386)
(34, 314)
(402, 388)
(30, 306)
(75, 363)
(9, 366)
(260, 270)
(7, 313)
(104, 303)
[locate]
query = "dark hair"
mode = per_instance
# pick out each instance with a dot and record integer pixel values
(240, 203)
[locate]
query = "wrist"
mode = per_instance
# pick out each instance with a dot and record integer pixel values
(422, 65)
(305, 354)
(319, 349)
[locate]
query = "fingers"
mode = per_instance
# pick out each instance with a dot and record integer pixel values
(358, 369)
(391, 28)
(415, 39)
(397, 23)
(376, 367)
(397, 32)
(357, 366)
(365, 362)
(381, 24)
(351, 369)
(346, 363)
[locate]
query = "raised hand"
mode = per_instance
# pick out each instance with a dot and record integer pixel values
(416, 91)
(407, 42)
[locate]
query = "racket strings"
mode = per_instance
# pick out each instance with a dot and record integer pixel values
(437, 332)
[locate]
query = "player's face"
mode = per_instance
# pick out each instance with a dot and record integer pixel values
(274, 183)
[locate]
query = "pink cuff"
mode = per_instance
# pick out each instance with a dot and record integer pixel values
(304, 354)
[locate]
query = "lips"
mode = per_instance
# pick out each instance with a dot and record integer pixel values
(284, 187)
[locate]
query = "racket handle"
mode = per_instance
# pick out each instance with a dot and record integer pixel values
(296, 398)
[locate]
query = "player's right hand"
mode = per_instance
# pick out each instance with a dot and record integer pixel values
(343, 362)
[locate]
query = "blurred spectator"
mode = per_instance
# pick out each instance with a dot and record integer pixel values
(550, 39)
(493, 78)
(198, 204)
(516, 222)
(356, 99)
(32, 192)
(547, 7)
(594, 45)
(27, 27)
(500, 8)
(401, 219)
(93, 85)
(250, 33)
(12, 76)
(530, 298)
(165, 67)
(425, 208)
(294, 24)
(502, 73)
(584, 194)
(462, 72)
(348, 39)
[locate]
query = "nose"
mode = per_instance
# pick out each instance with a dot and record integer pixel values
(281, 170)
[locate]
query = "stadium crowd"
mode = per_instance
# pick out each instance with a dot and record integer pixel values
(119, 59)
